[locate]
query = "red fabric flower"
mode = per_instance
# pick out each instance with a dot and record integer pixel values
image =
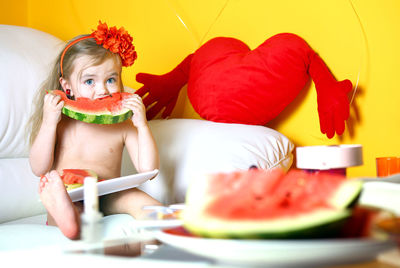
(117, 41)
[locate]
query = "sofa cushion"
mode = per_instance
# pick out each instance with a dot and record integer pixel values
(188, 147)
(25, 56)
(19, 196)
(25, 235)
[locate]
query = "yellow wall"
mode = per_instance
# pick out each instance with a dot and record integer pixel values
(14, 12)
(358, 39)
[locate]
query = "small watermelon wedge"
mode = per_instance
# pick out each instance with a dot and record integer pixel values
(106, 110)
(74, 178)
(258, 203)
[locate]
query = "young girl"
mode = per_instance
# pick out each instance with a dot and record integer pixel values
(89, 66)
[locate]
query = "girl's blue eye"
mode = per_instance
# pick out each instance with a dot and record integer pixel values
(89, 82)
(111, 80)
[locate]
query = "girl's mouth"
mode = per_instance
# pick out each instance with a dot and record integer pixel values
(103, 97)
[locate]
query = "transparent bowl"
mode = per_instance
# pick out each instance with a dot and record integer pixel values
(391, 226)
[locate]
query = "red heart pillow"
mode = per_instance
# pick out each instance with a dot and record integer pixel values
(228, 82)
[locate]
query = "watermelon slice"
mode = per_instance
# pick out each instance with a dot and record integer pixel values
(74, 178)
(268, 204)
(106, 110)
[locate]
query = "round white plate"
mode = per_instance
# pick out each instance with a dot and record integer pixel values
(296, 253)
(115, 185)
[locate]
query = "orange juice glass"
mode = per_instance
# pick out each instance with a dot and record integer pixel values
(386, 166)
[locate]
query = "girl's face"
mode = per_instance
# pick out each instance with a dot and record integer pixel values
(93, 82)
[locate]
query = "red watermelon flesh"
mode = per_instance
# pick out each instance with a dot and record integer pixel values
(260, 194)
(255, 204)
(110, 104)
(76, 176)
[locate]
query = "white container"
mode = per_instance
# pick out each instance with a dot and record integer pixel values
(330, 157)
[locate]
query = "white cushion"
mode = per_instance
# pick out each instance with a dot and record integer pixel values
(18, 190)
(188, 147)
(25, 235)
(28, 236)
(25, 56)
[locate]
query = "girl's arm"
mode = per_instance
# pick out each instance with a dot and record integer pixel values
(139, 142)
(41, 155)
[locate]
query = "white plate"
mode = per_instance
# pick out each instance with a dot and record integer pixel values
(295, 253)
(115, 185)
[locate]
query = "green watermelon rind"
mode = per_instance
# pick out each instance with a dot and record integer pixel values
(318, 223)
(314, 224)
(346, 194)
(104, 119)
(73, 186)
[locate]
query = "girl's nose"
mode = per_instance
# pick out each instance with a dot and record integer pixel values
(102, 90)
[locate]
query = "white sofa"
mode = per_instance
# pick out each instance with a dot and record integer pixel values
(186, 146)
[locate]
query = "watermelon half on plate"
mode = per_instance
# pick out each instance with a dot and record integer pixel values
(108, 110)
(74, 178)
(269, 204)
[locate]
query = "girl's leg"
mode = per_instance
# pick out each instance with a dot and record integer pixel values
(62, 212)
(130, 201)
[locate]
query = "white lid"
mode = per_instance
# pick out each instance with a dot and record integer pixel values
(329, 157)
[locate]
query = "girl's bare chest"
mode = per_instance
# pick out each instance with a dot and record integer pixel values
(93, 138)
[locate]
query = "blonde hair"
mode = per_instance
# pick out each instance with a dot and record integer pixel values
(87, 47)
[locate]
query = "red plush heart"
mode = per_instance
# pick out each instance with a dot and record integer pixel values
(228, 82)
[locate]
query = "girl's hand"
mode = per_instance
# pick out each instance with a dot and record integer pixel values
(52, 107)
(135, 104)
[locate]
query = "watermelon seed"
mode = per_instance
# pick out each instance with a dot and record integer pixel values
(285, 203)
(286, 200)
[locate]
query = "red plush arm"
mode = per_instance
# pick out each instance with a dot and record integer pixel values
(333, 103)
(163, 89)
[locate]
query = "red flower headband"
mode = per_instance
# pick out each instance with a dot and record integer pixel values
(113, 39)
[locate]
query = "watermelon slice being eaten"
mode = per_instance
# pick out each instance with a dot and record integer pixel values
(106, 110)
(260, 203)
